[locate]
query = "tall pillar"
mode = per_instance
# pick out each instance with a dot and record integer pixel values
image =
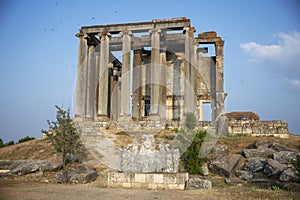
(155, 76)
(136, 84)
(97, 76)
(90, 83)
(189, 94)
(220, 95)
(81, 77)
(115, 95)
(125, 80)
(103, 78)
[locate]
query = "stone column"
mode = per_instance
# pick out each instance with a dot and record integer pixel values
(155, 76)
(136, 84)
(81, 77)
(90, 83)
(103, 78)
(189, 94)
(220, 95)
(125, 80)
(97, 76)
(115, 95)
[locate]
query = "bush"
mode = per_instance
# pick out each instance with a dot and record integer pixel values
(64, 137)
(25, 139)
(10, 143)
(191, 159)
(1, 143)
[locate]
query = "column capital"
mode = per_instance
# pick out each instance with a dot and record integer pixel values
(103, 34)
(126, 32)
(154, 30)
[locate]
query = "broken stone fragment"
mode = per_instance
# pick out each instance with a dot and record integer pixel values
(290, 174)
(261, 152)
(196, 183)
(254, 164)
(286, 157)
(274, 168)
(225, 166)
(245, 175)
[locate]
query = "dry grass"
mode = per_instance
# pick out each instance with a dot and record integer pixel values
(37, 149)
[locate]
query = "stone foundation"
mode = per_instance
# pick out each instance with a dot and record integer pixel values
(170, 181)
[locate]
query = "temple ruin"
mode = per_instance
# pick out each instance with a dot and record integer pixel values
(164, 72)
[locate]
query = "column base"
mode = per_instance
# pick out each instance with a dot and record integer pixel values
(154, 117)
(102, 118)
(125, 118)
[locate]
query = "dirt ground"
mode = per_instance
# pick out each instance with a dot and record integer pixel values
(32, 187)
(25, 190)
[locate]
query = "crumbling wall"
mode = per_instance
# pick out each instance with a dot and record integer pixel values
(276, 128)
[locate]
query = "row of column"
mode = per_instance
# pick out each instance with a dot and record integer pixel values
(93, 71)
(92, 78)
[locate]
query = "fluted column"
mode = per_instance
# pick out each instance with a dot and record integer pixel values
(97, 75)
(220, 95)
(155, 76)
(103, 78)
(81, 77)
(136, 84)
(90, 83)
(189, 93)
(125, 80)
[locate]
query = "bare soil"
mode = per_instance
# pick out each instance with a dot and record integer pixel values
(20, 189)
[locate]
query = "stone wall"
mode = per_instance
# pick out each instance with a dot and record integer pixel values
(171, 181)
(276, 128)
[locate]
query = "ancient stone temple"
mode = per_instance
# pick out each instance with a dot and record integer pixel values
(163, 73)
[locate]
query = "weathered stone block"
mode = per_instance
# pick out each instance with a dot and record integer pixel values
(290, 174)
(158, 178)
(225, 166)
(195, 183)
(261, 152)
(285, 157)
(218, 151)
(139, 178)
(254, 164)
(245, 175)
(274, 168)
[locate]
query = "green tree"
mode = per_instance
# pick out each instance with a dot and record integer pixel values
(64, 137)
(10, 143)
(25, 139)
(191, 159)
(1, 143)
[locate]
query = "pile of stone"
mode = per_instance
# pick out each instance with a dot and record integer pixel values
(77, 173)
(263, 160)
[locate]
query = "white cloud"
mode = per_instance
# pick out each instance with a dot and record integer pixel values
(295, 83)
(281, 58)
(286, 51)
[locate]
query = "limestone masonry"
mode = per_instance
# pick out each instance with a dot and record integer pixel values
(164, 74)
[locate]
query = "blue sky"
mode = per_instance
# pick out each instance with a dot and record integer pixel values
(39, 53)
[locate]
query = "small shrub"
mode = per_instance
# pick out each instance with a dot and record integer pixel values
(191, 159)
(10, 143)
(25, 139)
(1, 143)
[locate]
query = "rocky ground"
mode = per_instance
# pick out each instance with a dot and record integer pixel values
(239, 168)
